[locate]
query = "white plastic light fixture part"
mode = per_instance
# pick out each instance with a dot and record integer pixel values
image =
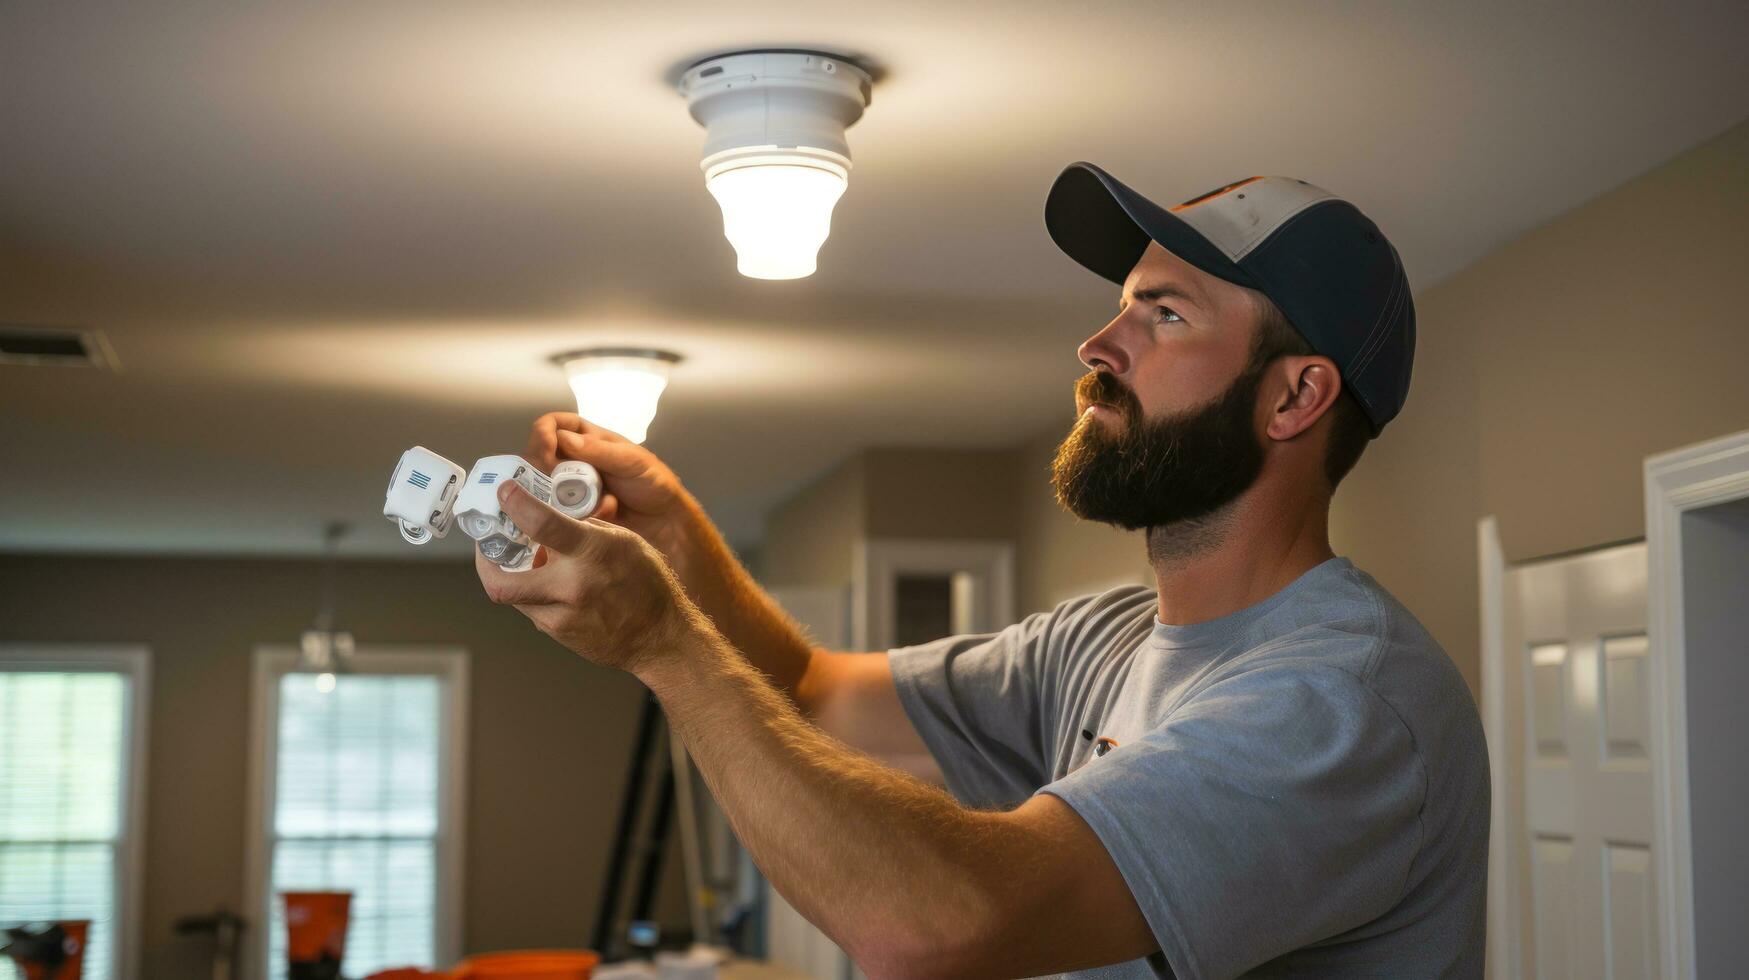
(421, 495)
(618, 388)
(500, 540)
(576, 488)
(775, 155)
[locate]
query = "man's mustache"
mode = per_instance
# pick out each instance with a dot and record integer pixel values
(1104, 388)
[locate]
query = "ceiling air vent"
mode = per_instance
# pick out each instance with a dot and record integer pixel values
(37, 346)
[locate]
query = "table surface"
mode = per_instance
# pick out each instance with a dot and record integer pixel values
(757, 970)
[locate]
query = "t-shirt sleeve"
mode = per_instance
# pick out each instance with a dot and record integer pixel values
(1274, 810)
(975, 700)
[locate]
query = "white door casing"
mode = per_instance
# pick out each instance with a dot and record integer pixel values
(985, 583)
(1502, 703)
(1678, 483)
(1574, 643)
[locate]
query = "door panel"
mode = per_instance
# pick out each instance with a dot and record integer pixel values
(1578, 626)
(1625, 699)
(1627, 884)
(1551, 878)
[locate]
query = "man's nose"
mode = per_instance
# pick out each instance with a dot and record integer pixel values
(1104, 349)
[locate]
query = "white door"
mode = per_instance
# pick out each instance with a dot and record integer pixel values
(1576, 629)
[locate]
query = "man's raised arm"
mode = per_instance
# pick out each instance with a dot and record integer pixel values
(848, 695)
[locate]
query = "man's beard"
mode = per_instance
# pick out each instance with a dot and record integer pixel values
(1158, 472)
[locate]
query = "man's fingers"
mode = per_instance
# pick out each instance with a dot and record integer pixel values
(553, 423)
(543, 436)
(608, 509)
(544, 525)
(543, 446)
(511, 588)
(614, 457)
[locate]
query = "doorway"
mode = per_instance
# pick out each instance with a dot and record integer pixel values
(1574, 768)
(912, 591)
(1611, 693)
(1697, 533)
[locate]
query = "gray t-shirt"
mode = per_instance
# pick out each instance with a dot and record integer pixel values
(1298, 788)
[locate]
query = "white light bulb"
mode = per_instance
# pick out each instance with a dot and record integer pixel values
(776, 215)
(325, 683)
(618, 393)
(775, 156)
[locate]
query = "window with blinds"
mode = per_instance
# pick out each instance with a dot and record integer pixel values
(64, 755)
(358, 784)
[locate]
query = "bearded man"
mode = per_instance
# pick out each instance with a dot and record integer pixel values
(1263, 767)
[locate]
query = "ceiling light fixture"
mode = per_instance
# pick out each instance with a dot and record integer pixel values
(617, 387)
(324, 649)
(775, 157)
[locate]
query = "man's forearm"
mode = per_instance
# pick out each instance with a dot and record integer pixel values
(898, 873)
(741, 610)
(891, 868)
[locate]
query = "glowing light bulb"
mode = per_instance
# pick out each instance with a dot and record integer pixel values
(775, 156)
(618, 388)
(777, 215)
(325, 683)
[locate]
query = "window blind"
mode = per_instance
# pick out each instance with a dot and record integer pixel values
(356, 808)
(62, 765)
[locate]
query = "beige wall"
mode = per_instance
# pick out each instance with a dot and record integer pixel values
(549, 738)
(933, 493)
(1544, 375)
(810, 539)
(1618, 331)
(887, 493)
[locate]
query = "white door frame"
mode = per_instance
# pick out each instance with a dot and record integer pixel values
(1505, 945)
(879, 561)
(1687, 479)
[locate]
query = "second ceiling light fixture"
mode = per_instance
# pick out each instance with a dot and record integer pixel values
(775, 156)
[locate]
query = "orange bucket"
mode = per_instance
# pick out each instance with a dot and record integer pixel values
(72, 951)
(74, 967)
(530, 964)
(315, 933)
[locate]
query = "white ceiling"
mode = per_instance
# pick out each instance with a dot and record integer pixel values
(317, 233)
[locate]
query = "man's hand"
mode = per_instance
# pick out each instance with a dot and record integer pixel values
(639, 491)
(850, 696)
(600, 590)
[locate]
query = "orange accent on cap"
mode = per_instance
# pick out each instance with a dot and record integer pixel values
(1217, 192)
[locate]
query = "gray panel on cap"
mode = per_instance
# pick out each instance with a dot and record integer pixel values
(1238, 220)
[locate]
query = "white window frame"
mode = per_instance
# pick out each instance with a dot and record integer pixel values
(448, 663)
(134, 662)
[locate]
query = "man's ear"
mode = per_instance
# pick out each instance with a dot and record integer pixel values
(1310, 387)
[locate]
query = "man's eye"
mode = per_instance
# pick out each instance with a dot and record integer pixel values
(1164, 314)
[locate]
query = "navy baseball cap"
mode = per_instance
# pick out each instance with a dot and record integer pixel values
(1323, 263)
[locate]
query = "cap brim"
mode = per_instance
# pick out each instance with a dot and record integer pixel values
(1101, 223)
